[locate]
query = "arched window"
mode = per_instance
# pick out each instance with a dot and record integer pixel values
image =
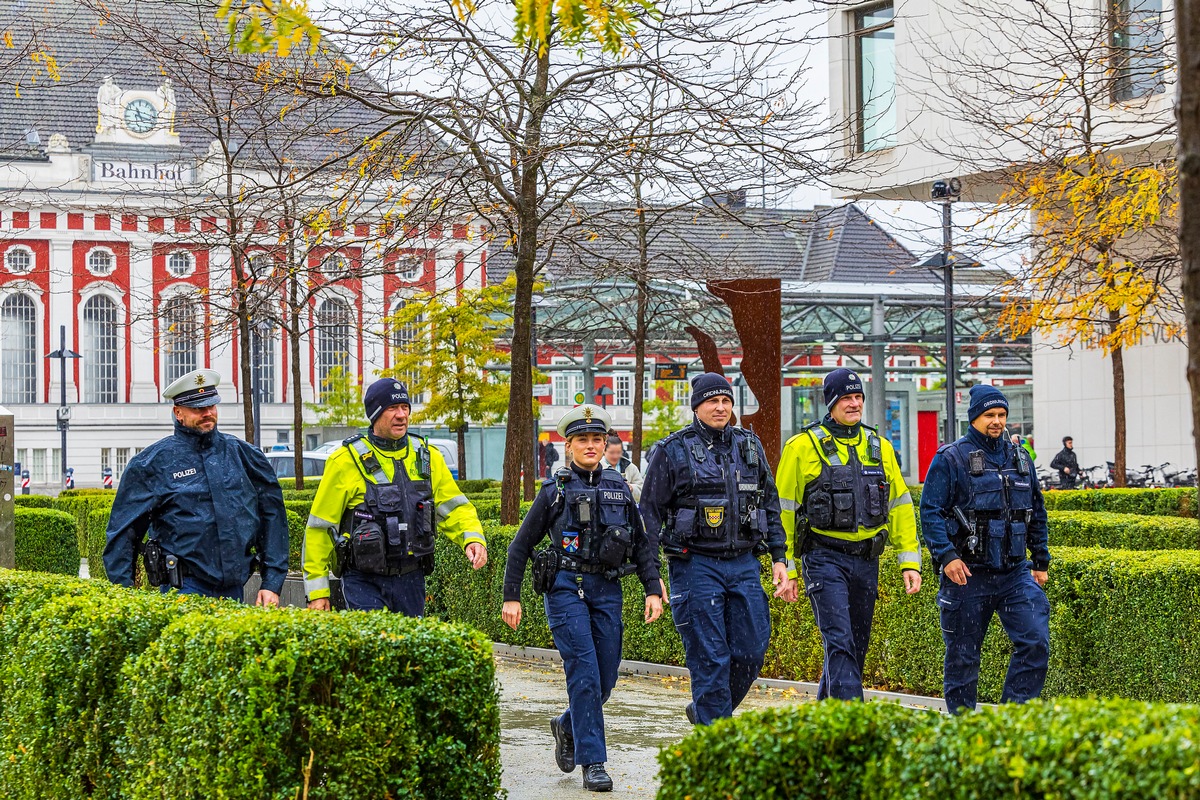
(18, 350)
(334, 323)
(404, 337)
(180, 335)
(99, 350)
(263, 344)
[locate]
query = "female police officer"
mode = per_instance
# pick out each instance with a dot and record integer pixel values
(595, 529)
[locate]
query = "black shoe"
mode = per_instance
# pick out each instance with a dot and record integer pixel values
(564, 745)
(595, 779)
(691, 712)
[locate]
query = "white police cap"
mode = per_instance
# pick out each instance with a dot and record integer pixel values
(197, 389)
(586, 418)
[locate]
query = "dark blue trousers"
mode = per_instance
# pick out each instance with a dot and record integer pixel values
(193, 586)
(966, 613)
(720, 611)
(587, 632)
(842, 590)
(400, 594)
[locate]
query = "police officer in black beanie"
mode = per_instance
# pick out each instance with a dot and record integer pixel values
(984, 520)
(710, 496)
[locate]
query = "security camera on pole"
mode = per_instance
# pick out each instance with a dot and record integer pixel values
(946, 192)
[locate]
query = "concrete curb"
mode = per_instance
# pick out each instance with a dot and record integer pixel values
(669, 670)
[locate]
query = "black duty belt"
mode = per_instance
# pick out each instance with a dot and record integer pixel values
(574, 565)
(865, 548)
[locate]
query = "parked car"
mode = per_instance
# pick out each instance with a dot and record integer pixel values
(285, 463)
(447, 447)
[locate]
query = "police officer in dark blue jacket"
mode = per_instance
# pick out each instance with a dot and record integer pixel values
(710, 494)
(589, 515)
(982, 517)
(208, 504)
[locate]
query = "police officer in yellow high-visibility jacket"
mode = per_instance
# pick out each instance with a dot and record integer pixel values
(842, 499)
(381, 501)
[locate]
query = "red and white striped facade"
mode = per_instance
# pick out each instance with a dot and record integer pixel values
(148, 257)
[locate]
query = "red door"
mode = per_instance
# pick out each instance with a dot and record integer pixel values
(929, 434)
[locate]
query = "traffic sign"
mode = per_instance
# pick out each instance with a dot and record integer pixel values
(579, 398)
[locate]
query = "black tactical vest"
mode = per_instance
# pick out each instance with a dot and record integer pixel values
(717, 507)
(392, 531)
(850, 496)
(999, 505)
(592, 524)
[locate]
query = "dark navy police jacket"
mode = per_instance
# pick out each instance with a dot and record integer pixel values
(947, 486)
(209, 498)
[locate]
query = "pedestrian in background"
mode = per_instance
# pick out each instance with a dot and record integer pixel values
(615, 459)
(1067, 464)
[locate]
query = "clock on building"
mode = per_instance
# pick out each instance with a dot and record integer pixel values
(140, 116)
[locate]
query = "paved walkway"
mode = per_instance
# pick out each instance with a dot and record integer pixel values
(643, 714)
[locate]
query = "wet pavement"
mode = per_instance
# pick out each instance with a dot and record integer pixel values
(643, 714)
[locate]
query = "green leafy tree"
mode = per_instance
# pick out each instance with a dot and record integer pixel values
(663, 413)
(447, 355)
(341, 401)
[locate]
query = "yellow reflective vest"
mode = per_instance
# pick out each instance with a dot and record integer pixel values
(343, 486)
(801, 463)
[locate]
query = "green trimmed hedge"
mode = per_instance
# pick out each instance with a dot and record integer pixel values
(33, 501)
(489, 510)
(1161, 502)
(300, 494)
(65, 493)
(96, 541)
(289, 484)
(110, 693)
(1123, 624)
(1070, 750)
(301, 508)
(46, 540)
(80, 503)
(296, 525)
(476, 485)
(1122, 531)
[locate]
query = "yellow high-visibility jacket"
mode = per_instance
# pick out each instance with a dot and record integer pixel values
(801, 463)
(343, 486)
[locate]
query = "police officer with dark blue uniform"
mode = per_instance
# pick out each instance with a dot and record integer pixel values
(208, 502)
(710, 494)
(595, 530)
(982, 517)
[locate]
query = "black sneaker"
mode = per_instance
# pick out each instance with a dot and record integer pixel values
(595, 779)
(564, 745)
(691, 712)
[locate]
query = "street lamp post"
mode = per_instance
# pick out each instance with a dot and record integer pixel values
(946, 192)
(63, 414)
(604, 392)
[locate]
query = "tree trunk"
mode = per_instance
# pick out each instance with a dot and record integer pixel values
(518, 444)
(1118, 369)
(1187, 15)
(462, 451)
(639, 333)
(297, 393)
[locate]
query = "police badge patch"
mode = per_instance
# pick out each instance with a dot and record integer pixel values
(714, 516)
(570, 544)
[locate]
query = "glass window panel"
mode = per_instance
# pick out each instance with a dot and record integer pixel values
(180, 337)
(334, 323)
(875, 49)
(99, 350)
(18, 350)
(1138, 40)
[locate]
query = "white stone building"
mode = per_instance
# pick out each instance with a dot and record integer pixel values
(894, 67)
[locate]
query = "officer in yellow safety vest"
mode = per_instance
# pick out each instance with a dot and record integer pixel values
(842, 498)
(381, 502)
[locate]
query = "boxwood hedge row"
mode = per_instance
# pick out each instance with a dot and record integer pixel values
(1068, 750)
(1122, 531)
(1162, 502)
(33, 501)
(46, 540)
(110, 693)
(80, 503)
(1123, 624)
